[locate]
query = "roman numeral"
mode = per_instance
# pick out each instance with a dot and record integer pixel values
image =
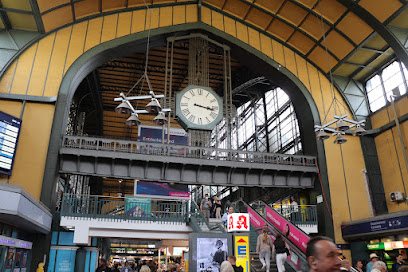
(192, 93)
(184, 104)
(185, 112)
(214, 100)
(207, 94)
(185, 97)
(213, 115)
(208, 120)
(200, 121)
(191, 118)
(200, 92)
(215, 108)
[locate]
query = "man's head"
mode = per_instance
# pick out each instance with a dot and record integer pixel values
(219, 244)
(400, 258)
(231, 210)
(206, 196)
(232, 259)
(102, 263)
(379, 265)
(322, 255)
(373, 257)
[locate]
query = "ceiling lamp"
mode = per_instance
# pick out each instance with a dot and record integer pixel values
(160, 119)
(322, 135)
(123, 108)
(340, 139)
(340, 123)
(133, 120)
(153, 106)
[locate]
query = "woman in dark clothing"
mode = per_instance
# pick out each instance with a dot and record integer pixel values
(279, 247)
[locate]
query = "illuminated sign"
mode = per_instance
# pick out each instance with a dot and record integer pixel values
(9, 133)
(242, 252)
(7, 241)
(388, 245)
(238, 222)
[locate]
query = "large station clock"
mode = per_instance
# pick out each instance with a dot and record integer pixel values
(198, 107)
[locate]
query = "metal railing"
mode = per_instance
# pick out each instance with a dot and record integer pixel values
(198, 221)
(304, 215)
(115, 145)
(125, 208)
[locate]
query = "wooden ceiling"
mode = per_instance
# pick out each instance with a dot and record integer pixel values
(355, 49)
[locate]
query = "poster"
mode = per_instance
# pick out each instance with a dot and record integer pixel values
(164, 190)
(295, 235)
(24, 262)
(10, 258)
(153, 134)
(18, 259)
(138, 206)
(65, 261)
(211, 252)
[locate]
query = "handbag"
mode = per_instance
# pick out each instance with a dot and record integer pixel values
(287, 251)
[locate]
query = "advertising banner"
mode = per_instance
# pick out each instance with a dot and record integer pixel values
(211, 252)
(62, 259)
(290, 231)
(242, 252)
(383, 225)
(161, 190)
(138, 206)
(238, 222)
(153, 134)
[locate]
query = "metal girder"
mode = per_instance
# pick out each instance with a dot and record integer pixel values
(37, 16)
(379, 27)
(94, 88)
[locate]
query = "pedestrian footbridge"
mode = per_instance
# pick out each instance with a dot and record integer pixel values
(184, 164)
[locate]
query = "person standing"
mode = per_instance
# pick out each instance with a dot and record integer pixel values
(294, 209)
(225, 216)
(373, 259)
(322, 255)
(379, 266)
(263, 248)
(359, 266)
(127, 268)
(279, 247)
(233, 261)
(217, 207)
(398, 263)
(103, 266)
(205, 207)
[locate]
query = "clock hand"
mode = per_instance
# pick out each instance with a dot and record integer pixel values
(204, 107)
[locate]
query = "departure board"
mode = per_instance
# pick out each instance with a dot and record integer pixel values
(9, 133)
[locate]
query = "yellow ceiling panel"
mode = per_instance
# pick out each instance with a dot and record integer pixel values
(361, 56)
(319, 57)
(86, 8)
(380, 60)
(216, 3)
(401, 20)
(112, 5)
(363, 74)
(47, 4)
(313, 26)
(259, 18)
(237, 8)
(292, 13)
(345, 70)
(272, 6)
(308, 3)
(331, 9)
(376, 42)
(161, 1)
(381, 9)
(301, 42)
(22, 21)
(354, 27)
(338, 45)
(21, 4)
(57, 18)
(280, 29)
(132, 3)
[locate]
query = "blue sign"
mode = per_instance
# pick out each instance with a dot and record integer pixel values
(383, 225)
(9, 133)
(62, 260)
(241, 250)
(153, 134)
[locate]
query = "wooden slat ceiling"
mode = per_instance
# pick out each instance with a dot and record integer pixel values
(354, 49)
(121, 74)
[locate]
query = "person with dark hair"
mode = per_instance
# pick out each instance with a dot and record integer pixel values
(103, 266)
(127, 268)
(233, 261)
(359, 266)
(322, 255)
(205, 207)
(287, 230)
(280, 248)
(225, 215)
(403, 268)
(220, 255)
(399, 262)
(263, 248)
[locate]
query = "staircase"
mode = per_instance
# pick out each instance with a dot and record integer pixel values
(199, 224)
(256, 265)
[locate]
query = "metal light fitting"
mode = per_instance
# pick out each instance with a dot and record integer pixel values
(340, 139)
(153, 106)
(123, 108)
(133, 120)
(160, 119)
(322, 135)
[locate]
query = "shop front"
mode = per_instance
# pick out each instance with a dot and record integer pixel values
(14, 254)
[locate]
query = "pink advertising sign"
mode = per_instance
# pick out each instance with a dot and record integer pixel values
(292, 233)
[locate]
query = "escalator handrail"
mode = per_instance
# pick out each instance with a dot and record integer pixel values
(297, 250)
(281, 217)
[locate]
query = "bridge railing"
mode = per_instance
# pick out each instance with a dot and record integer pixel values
(125, 208)
(115, 145)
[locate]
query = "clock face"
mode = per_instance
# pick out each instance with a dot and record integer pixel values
(199, 107)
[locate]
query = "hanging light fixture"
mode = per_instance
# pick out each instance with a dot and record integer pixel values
(340, 123)
(153, 107)
(160, 119)
(133, 120)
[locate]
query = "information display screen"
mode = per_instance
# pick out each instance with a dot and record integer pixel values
(9, 133)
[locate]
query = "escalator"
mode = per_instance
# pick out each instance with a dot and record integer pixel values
(198, 222)
(277, 224)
